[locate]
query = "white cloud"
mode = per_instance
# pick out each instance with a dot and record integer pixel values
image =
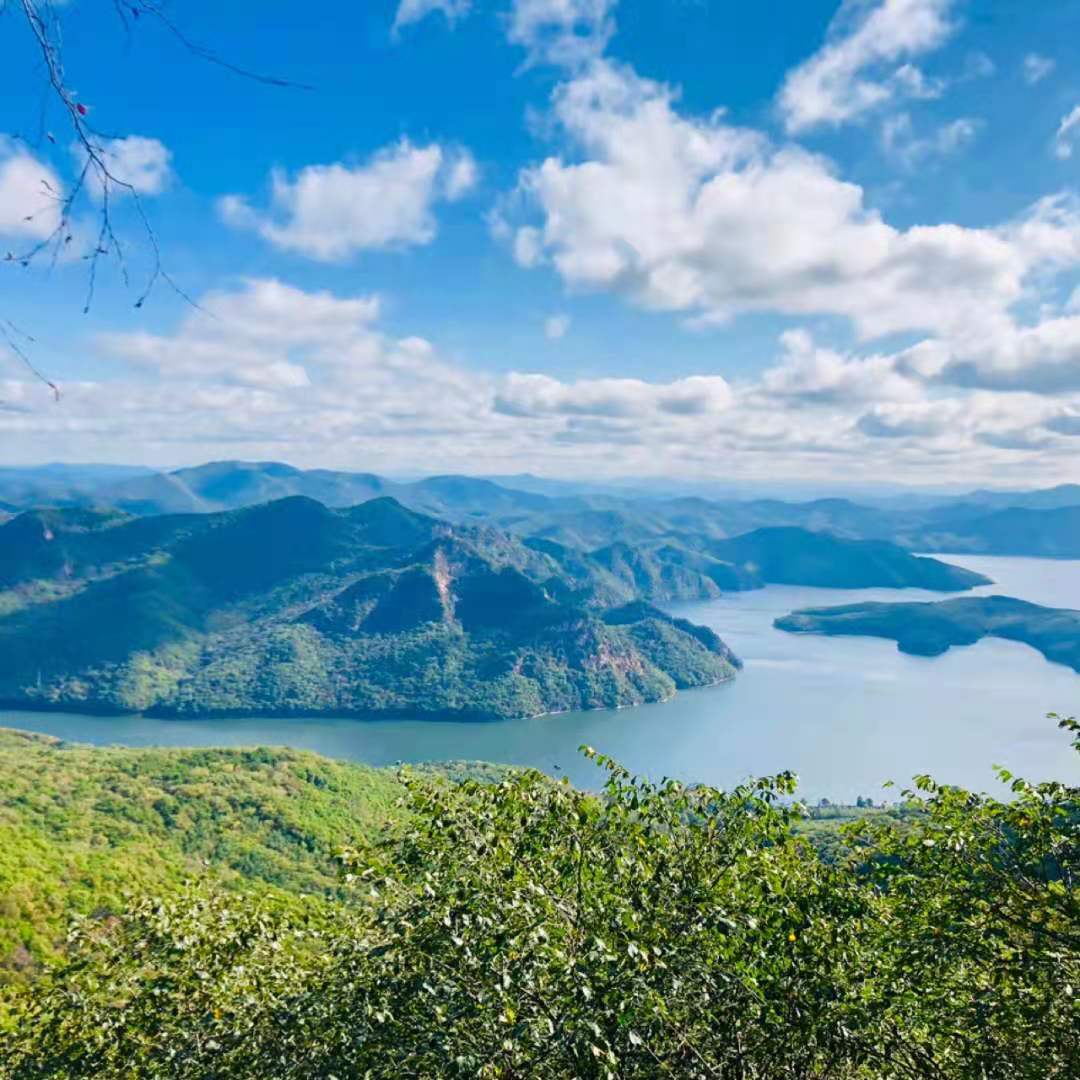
(899, 140)
(1036, 68)
(266, 370)
(565, 33)
(268, 364)
(555, 327)
(1016, 422)
(1067, 133)
(920, 420)
(695, 215)
(541, 395)
(255, 336)
(136, 162)
(411, 11)
(331, 212)
(809, 372)
(528, 246)
(461, 174)
(858, 68)
(1044, 357)
(30, 194)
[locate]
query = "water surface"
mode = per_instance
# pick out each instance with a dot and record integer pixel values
(845, 713)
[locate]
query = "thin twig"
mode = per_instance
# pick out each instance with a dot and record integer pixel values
(6, 329)
(46, 28)
(150, 8)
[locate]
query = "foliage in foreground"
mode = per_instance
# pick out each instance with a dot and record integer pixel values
(526, 929)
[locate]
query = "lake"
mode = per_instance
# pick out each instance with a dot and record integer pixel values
(845, 713)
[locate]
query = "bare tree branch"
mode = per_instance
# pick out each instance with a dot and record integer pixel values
(148, 7)
(9, 331)
(97, 173)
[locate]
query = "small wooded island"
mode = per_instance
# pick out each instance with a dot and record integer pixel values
(932, 628)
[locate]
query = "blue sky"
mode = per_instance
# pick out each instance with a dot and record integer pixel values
(793, 239)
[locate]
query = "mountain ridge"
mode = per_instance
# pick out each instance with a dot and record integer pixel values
(291, 607)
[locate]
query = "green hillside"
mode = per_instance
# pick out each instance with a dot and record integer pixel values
(84, 830)
(525, 928)
(89, 830)
(794, 556)
(291, 607)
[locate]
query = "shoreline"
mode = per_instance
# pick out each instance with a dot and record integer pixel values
(361, 716)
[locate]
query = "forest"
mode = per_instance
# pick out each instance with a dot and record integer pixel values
(506, 924)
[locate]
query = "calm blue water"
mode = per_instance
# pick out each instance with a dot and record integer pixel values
(845, 713)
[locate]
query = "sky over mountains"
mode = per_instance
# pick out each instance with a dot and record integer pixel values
(808, 240)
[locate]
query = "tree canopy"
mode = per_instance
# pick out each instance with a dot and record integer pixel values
(525, 928)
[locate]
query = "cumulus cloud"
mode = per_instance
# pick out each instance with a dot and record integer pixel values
(255, 336)
(267, 370)
(528, 246)
(138, 163)
(1018, 422)
(411, 11)
(1044, 357)
(809, 372)
(30, 194)
(1066, 134)
(541, 395)
(897, 421)
(1036, 68)
(461, 175)
(565, 33)
(316, 359)
(332, 212)
(865, 62)
(695, 215)
(555, 327)
(899, 140)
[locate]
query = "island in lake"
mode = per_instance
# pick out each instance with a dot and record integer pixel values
(932, 628)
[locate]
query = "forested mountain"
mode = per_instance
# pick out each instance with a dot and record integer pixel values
(930, 629)
(1041, 523)
(1050, 533)
(791, 556)
(293, 607)
(1046, 499)
(232, 485)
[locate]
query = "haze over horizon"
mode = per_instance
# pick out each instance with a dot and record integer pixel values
(567, 237)
(99, 474)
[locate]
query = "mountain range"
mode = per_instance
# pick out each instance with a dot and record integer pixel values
(1039, 523)
(294, 607)
(291, 606)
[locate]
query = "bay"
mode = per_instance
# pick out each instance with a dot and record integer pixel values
(845, 713)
